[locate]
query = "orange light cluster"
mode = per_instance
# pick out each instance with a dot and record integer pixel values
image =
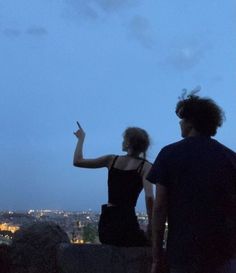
(6, 227)
(78, 241)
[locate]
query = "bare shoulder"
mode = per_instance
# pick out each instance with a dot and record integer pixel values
(148, 187)
(110, 159)
(146, 168)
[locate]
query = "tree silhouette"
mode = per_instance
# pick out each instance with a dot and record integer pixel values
(89, 233)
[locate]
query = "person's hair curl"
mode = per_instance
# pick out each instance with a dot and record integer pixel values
(205, 115)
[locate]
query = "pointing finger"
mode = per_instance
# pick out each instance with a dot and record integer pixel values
(78, 125)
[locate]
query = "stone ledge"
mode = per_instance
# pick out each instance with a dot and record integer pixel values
(103, 259)
(45, 248)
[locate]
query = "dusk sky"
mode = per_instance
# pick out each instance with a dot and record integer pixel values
(108, 64)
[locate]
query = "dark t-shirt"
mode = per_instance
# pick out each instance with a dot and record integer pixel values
(200, 176)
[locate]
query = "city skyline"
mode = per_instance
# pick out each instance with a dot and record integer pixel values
(109, 65)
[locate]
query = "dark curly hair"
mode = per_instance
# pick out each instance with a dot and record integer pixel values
(138, 139)
(205, 115)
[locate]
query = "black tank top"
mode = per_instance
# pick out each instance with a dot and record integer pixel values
(124, 186)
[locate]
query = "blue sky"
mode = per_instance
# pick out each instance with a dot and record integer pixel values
(109, 64)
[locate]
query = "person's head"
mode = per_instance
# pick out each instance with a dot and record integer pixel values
(136, 140)
(202, 115)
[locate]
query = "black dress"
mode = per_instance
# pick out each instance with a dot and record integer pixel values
(118, 224)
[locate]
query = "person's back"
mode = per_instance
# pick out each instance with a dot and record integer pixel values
(202, 179)
(118, 222)
(125, 181)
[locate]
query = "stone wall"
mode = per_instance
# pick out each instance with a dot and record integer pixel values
(103, 259)
(45, 248)
(34, 248)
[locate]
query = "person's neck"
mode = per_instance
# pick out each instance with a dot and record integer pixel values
(194, 133)
(133, 154)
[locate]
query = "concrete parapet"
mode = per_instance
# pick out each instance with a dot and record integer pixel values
(103, 259)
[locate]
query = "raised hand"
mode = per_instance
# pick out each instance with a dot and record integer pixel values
(80, 134)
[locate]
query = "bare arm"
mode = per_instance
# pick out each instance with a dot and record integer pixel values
(80, 161)
(149, 207)
(158, 226)
(149, 196)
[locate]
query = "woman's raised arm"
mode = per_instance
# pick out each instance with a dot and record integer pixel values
(80, 161)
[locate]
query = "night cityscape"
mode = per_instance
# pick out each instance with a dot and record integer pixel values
(81, 226)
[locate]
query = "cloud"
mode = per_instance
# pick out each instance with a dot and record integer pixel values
(137, 29)
(36, 31)
(186, 56)
(140, 30)
(217, 79)
(33, 31)
(94, 9)
(79, 9)
(11, 32)
(115, 5)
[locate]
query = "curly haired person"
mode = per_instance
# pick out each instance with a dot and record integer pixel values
(195, 194)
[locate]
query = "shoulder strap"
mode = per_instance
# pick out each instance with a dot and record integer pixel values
(114, 161)
(140, 166)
